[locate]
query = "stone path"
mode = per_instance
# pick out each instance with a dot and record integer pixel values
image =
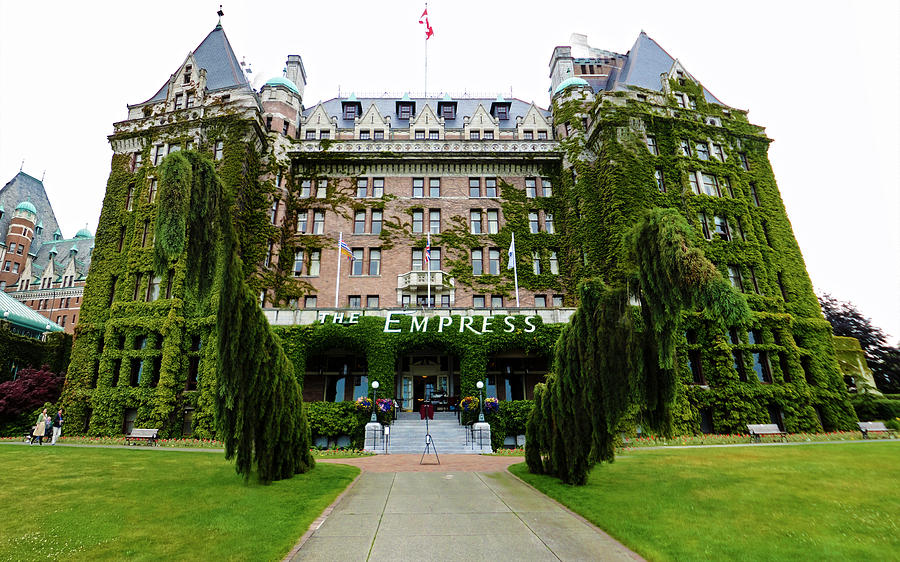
(467, 508)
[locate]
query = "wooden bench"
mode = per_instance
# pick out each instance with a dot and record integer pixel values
(872, 427)
(146, 435)
(757, 431)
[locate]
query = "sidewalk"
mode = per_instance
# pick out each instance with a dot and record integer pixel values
(443, 514)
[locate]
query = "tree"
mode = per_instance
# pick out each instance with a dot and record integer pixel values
(31, 389)
(884, 360)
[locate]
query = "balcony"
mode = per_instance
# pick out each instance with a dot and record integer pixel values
(415, 280)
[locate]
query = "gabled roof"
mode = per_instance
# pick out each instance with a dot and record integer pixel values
(223, 70)
(646, 62)
(21, 315)
(63, 250)
(387, 106)
(26, 188)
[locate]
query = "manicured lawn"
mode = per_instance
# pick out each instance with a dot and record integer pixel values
(805, 502)
(111, 504)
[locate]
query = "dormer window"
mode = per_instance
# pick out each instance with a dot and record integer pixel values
(447, 110)
(190, 100)
(502, 111)
(404, 110)
(187, 74)
(351, 110)
(179, 101)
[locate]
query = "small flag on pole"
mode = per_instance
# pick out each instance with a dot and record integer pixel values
(424, 20)
(428, 250)
(512, 253)
(345, 249)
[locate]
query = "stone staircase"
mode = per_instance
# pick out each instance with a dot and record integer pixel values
(407, 436)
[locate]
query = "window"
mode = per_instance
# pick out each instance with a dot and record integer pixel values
(362, 187)
(718, 152)
(187, 74)
(434, 187)
(751, 278)
(490, 187)
(474, 135)
(299, 257)
(129, 198)
(322, 189)
(475, 221)
(375, 261)
(493, 221)
(359, 222)
(725, 188)
(160, 154)
(474, 187)
(372, 301)
(350, 111)
(378, 187)
(761, 366)
(496, 301)
(554, 263)
(534, 225)
(269, 123)
(365, 135)
(721, 224)
(651, 145)
(420, 135)
(219, 150)
(404, 301)
(418, 187)
(146, 232)
(540, 301)
(530, 188)
(136, 163)
(284, 127)
(354, 301)
(547, 188)
(318, 222)
(548, 223)
(478, 301)
(434, 135)
(305, 189)
(502, 112)
(702, 151)
(542, 135)
(15, 268)
(557, 301)
(685, 148)
(660, 184)
(273, 211)
(376, 221)
(418, 217)
(536, 263)
(494, 261)
(736, 230)
(417, 260)
(435, 259)
(696, 366)
(179, 101)
(434, 221)
(477, 261)
(302, 221)
(734, 275)
(153, 288)
(753, 194)
(12, 248)
(528, 135)
(710, 185)
(448, 111)
(324, 134)
(404, 110)
(151, 194)
(310, 301)
(137, 286)
(745, 164)
(310, 135)
(695, 183)
(489, 135)
(356, 266)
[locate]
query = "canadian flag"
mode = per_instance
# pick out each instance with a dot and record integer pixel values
(424, 20)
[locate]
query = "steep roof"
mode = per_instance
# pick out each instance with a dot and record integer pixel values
(387, 106)
(62, 249)
(21, 315)
(646, 62)
(26, 188)
(223, 70)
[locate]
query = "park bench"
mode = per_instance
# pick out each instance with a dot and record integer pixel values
(148, 435)
(759, 430)
(872, 427)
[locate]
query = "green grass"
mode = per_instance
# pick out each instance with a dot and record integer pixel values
(809, 502)
(88, 504)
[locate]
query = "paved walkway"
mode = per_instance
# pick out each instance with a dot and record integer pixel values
(400, 510)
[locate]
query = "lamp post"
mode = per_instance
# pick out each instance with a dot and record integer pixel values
(480, 386)
(374, 403)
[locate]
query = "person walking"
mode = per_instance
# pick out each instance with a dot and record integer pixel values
(40, 427)
(57, 426)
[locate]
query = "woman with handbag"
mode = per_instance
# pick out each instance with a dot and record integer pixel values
(40, 427)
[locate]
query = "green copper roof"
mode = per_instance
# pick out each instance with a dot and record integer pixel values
(569, 82)
(26, 206)
(20, 315)
(279, 81)
(83, 233)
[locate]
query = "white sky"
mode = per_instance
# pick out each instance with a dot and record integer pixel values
(822, 76)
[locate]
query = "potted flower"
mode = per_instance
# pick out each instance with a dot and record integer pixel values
(491, 405)
(469, 404)
(364, 404)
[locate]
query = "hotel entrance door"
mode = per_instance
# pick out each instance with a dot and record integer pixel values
(423, 377)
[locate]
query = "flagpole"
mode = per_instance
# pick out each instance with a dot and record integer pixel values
(428, 273)
(515, 267)
(337, 280)
(426, 71)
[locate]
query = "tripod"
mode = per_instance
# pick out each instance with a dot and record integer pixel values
(429, 445)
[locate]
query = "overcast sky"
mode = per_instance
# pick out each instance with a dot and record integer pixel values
(823, 77)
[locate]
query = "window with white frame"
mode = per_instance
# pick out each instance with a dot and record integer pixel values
(548, 223)
(490, 187)
(434, 221)
(494, 261)
(554, 263)
(534, 225)
(377, 221)
(318, 222)
(530, 188)
(418, 220)
(547, 188)
(418, 187)
(651, 145)
(375, 261)
(302, 221)
(475, 221)
(536, 262)
(299, 257)
(477, 261)
(315, 260)
(493, 221)
(362, 187)
(377, 187)
(474, 187)
(359, 222)
(305, 189)
(356, 266)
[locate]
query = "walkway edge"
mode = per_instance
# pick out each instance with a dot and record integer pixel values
(318, 521)
(631, 554)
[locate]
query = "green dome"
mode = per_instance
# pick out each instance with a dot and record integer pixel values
(26, 206)
(569, 82)
(279, 81)
(83, 233)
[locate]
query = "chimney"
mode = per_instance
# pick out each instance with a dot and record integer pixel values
(295, 72)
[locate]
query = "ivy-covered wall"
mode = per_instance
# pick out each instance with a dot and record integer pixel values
(625, 155)
(20, 352)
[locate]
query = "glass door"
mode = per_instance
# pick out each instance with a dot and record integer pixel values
(406, 393)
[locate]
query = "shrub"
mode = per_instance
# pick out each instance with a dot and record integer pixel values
(869, 408)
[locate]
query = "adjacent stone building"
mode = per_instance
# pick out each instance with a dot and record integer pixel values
(427, 193)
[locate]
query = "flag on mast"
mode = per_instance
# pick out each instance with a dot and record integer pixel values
(512, 253)
(427, 251)
(424, 20)
(345, 249)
